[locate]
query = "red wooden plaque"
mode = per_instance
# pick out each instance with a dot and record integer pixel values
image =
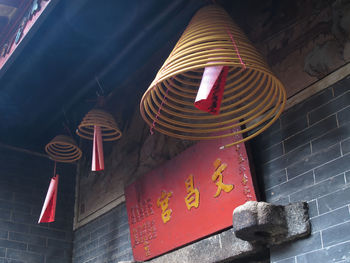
(187, 198)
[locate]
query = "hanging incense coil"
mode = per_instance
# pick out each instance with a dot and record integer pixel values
(253, 97)
(63, 148)
(103, 119)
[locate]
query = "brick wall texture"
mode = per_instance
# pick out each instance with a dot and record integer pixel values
(24, 180)
(106, 239)
(306, 157)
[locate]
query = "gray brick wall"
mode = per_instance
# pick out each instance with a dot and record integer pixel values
(106, 239)
(306, 157)
(24, 180)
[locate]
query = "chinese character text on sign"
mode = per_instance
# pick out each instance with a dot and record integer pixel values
(163, 203)
(192, 198)
(218, 177)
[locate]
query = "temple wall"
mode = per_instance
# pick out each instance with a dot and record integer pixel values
(24, 180)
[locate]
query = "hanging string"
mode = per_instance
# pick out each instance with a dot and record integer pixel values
(236, 48)
(54, 170)
(65, 123)
(99, 85)
(67, 129)
(158, 113)
(244, 67)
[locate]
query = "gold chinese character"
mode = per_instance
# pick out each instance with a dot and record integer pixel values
(249, 197)
(241, 158)
(219, 168)
(149, 207)
(192, 199)
(238, 147)
(146, 247)
(242, 169)
(136, 237)
(244, 180)
(133, 217)
(162, 202)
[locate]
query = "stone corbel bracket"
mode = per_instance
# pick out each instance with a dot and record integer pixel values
(268, 224)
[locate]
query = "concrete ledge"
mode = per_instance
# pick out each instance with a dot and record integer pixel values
(217, 248)
(256, 226)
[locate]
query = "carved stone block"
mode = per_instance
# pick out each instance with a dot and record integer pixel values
(269, 224)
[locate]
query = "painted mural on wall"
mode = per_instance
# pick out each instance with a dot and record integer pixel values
(189, 197)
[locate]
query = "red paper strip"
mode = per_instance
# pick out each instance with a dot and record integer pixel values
(211, 89)
(49, 208)
(97, 151)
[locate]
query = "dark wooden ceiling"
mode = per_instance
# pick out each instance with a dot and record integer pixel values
(53, 79)
(11, 12)
(54, 74)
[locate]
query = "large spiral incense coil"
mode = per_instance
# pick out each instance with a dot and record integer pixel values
(103, 119)
(253, 97)
(63, 148)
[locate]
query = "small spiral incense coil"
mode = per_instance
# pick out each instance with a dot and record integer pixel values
(63, 148)
(253, 97)
(103, 119)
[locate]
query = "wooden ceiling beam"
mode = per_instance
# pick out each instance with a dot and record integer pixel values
(13, 3)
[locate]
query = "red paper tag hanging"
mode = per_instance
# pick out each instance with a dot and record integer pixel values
(211, 89)
(49, 208)
(97, 151)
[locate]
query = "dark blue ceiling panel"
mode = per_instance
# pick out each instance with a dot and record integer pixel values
(79, 41)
